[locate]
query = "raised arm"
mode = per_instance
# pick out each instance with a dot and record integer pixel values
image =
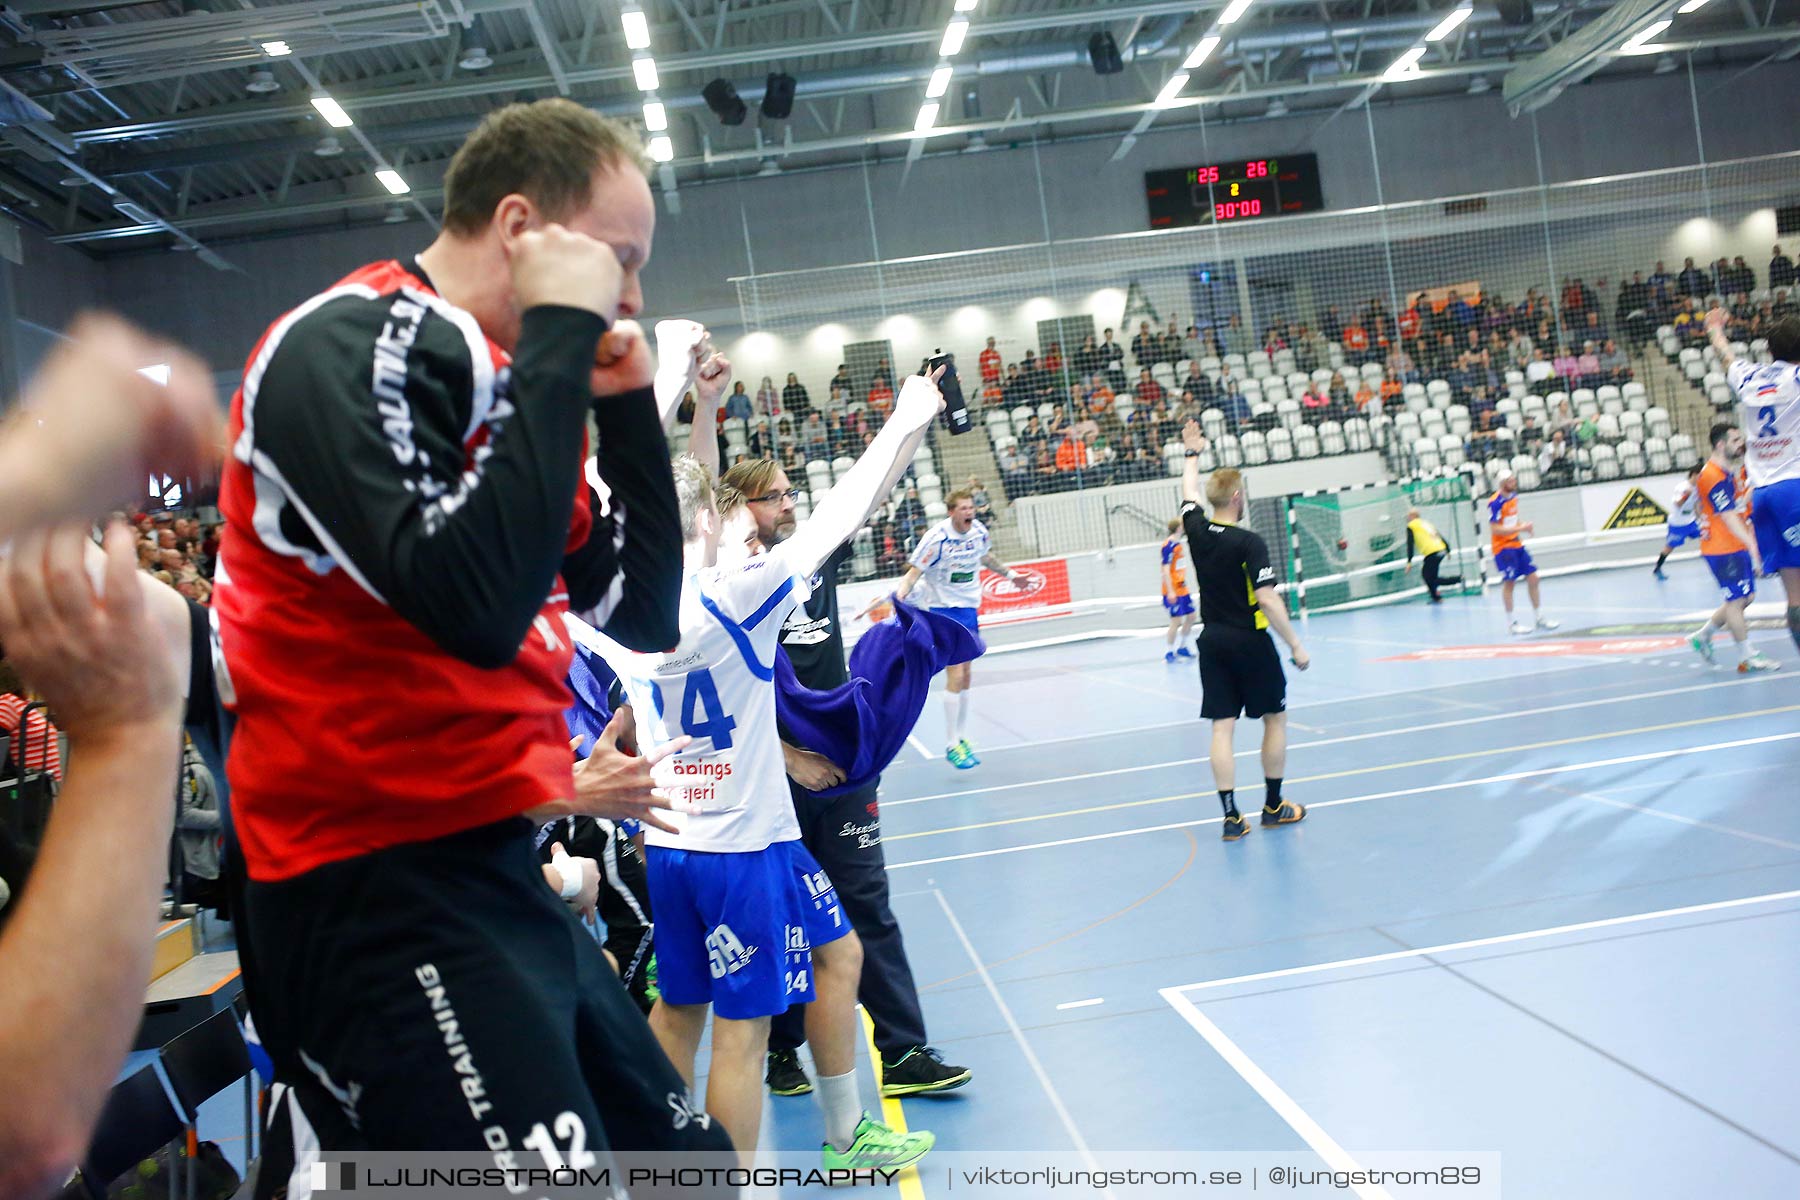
(709, 390)
(1193, 441)
(681, 346)
(847, 505)
(1716, 320)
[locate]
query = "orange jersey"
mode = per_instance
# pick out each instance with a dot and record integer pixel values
(1174, 579)
(1501, 511)
(1721, 491)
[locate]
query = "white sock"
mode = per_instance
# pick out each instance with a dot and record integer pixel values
(843, 1110)
(962, 714)
(1706, 630)
(1744, 650)
(950, 717)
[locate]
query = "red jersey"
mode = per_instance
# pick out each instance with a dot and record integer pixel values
(362, 438)
(990, 364)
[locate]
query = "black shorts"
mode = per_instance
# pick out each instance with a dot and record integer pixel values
(439, 996)
(1240, 673)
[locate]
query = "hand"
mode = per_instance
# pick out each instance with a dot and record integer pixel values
(681, 346)
(89, 428)
(1300, 658)
(90, 648)
(554, 265)
(612, 784)
(622, 361)
(713, 377)
(1192, 438)
(1717, 319)
(814, 772)
(919, 399)
(588, 898)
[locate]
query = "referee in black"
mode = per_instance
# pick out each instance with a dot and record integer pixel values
(1240, 672)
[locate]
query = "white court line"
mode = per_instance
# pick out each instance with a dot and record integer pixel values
(1296, 1117)
(1677, 818)
(919, 746)
(1415, 791)
(1037, 1068)
(1080, 1003)
(1334, 741)
(1503, 939)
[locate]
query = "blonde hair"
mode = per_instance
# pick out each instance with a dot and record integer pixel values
(693, 493)
(753, 478)
(957, 497)
(728, 500)
(1175, 525)
(1222, 485)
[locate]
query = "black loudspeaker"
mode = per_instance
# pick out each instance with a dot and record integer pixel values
(1514, 12)
(778, 97)
(723, 99)
(1103, 52)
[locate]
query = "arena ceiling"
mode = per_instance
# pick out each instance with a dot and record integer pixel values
(127, 125)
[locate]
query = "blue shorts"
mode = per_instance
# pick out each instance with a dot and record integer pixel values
(1775, 515)
(1179, 606)
(737, 930)
(1514, 562)
(968, 618)
(1682, 534)
(1737, 579)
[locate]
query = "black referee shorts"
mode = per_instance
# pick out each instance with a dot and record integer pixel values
(439, 996)
(1240, 674)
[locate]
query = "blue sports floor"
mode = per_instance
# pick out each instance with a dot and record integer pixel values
(1118, 978)
(1617, 834)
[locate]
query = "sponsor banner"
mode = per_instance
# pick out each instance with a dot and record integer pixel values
(1043, 592)
(1623, 645)
(1627, 504)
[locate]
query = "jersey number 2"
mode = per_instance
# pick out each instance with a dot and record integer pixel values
(702, 716)
(1766, 414)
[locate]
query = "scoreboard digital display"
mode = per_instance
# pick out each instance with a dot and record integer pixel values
(1242, 190)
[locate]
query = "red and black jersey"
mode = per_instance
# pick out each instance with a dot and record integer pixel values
(398, 503)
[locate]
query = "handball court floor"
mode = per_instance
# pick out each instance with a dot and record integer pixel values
(1545, 903)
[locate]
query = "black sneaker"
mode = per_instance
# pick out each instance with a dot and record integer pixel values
(918, 1071)
(1235, 827)
(1287, 814)
(786, 1076)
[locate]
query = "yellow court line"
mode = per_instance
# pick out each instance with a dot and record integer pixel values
(1399, 766)
(911, 1187)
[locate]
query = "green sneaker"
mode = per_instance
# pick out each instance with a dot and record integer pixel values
(1702, 645)
(878, 1148)
(960, 756)
(974, 759)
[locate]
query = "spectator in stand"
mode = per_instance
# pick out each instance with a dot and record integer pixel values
(1032, 437)
(815, 443)
(845, 441)
(1483, 443)
(794, 398)
(1587, 366)
(1100, 397)
(1049, 478)
(1192, 348)
(37, 749)
(841, 382)
(1146, 347)
(768, 400)
(1197, 384)
(909, 517)
(1273, 342)
(1457, 310)
(1232, 400)
(1562, 420)
(1012, 389)
(1615, 367)
(1690, 322)
(1692, 283)
(1087, 359)
(1058, 424)
(992, 393)
(792, 463)
(1332, 326)
(1339, 393)
(1481, 401)
(1148, 391)
(1315, 402)
(1567, 366)
(1171, 343)
(1783, 305)
(1662, 292)
(762, 442)
(1380, 324)
(881, 397)
(1356, 341)
(1237, 338)
(1053, 361)
(1364, 394)
(1013, 475)
(737, 405)
(1071, 454)
(1103, 461)
(1556, 462)
(1310, 350)
(990, 363)
(1411, 325)
(883, 374)
(1781, 270)
(1140, 428)
(1531, 433)
(1112, 358)
(838, 398)
(1037, 382)
(1593, 328)
(1400, 367)
(1393, 385)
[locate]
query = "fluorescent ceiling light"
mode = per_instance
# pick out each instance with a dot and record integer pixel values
(282, 49)
(637, 29)
(662, 150)
(1452, 19)
(645, 71)
(1638, 42)
(1406, 64)
(1173, 88)
(333, 112)
(1692, 6)
(656, 117)
(1234, 10)
(1204, 47)
(969, 5)
(390, 179)
(928, 113)
(940, 83)
(954, 33)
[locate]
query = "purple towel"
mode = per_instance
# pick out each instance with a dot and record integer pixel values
(860, 725)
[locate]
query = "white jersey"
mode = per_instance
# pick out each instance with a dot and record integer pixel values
(1683, 505)
(729, 786)
(951, 563)
(1771, 399)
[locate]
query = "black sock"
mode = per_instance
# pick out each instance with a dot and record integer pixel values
(1661, 559)
(1794, 624)
(1228, 798)
(1274, 800)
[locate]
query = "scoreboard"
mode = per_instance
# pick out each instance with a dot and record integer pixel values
(1241, 190)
